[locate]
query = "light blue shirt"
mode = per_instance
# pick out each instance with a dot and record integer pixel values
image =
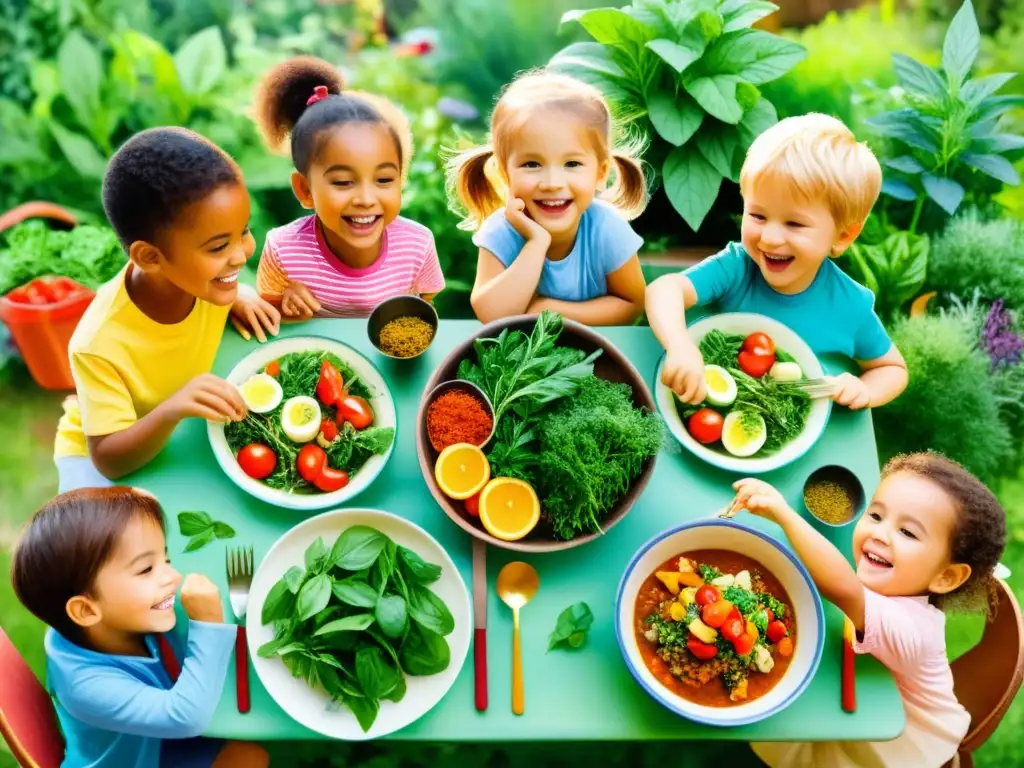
(604, 242)
(834, 315)
(115, 710)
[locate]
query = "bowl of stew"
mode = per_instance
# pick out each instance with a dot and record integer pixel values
(719, 622)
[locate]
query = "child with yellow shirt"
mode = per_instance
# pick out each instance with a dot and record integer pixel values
(142, 353)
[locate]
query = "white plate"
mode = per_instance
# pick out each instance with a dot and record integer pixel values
(785, 339)
(777, 560)
(312, 707)
(383, 416)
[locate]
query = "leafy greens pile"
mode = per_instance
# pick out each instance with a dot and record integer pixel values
(783, 405)
(358, 619)
(577, 439)
(300, 372)
(89, 255)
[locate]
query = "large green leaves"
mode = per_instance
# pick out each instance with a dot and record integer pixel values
(739, 14)
(916, 77)
(691, 183)
(946, 192)
(754, 55)
(81, 77)
(201, 61)
(611, 26)
(960, 48)
(893, 269)
(718, 146)
(675, 119)
(717, 95)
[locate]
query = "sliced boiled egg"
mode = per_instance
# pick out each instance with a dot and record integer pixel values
(300, 418)
(721, 385)
(743, 433)
(261, 393)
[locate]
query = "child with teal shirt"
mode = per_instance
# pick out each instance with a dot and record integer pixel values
(808, 187)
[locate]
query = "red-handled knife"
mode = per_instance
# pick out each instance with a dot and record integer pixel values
(480, 622)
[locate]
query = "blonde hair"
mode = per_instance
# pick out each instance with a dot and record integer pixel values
(822, 159)
(477, 176)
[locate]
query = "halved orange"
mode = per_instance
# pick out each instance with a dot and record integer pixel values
(509, 508)
(461, 470)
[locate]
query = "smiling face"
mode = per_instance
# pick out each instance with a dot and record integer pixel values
(789, 236)
(554, 167)
(355, 186)
(902, 543)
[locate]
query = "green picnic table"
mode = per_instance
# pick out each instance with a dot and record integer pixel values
(588, 694)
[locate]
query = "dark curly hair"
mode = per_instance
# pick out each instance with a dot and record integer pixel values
(980, 534)
(281, 110)
(158, 173)
(66, 543)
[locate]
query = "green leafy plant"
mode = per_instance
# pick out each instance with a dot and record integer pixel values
(202, 529)
(893, 268)
(949, 127)
(357, 619)
(572, 626)
(87, 254)
(685, 75)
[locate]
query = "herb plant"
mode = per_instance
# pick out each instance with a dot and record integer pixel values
(685, 75)
(202, 529)
(893, 267)
(572, 626)
(90, 255)
(356, 619)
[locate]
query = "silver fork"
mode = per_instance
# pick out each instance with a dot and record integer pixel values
(238, 563)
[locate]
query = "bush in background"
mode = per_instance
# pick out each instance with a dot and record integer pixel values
(975, 254)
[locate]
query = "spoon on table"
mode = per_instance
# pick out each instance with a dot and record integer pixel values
(517, 584)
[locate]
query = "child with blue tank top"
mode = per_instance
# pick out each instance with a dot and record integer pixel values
(550, 233)
(808, 187)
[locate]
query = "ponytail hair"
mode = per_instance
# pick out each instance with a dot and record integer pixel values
(471, 189)
(628, 192)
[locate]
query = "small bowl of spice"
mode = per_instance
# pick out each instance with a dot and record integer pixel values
(834, 495)
(402, 327)
(458, 411)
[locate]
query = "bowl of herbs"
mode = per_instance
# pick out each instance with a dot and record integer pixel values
(575, 432)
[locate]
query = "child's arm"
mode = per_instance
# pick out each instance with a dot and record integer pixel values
(829, 570)
(622, 306)
(668, 298)
(111, 699)
(882, 381)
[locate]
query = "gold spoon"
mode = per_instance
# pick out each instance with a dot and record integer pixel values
(517, 584)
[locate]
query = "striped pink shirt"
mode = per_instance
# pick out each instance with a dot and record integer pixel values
(297, 252)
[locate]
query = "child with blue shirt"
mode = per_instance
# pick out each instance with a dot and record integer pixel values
(551, 236)
(92, 564)
(808, 187)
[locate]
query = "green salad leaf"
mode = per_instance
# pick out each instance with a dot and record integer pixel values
(202, 529)
(572, 626)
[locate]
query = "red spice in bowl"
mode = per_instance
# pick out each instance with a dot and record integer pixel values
(457, 416)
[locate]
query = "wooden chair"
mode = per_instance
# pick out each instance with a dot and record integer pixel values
(28, 722)
(988, 676)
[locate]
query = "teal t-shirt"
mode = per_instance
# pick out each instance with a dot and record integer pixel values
(834, 315)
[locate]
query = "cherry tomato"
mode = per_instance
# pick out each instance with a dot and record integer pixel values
(38, 292)
(760, 344)
(472, 505)
(732, 629)
(328, 429)
(706, 425)
(705, 595)
(331, 479)
(702, 651)
(744, 644)
(785, 647)
(273, 369)
(771, 616)
(776, 631)
(755, 365)
(735, 614)
(257, 460)
(310, 462)
(331, 386)
(18, 295)
(715, 614)
(356, 411)
(62, 287)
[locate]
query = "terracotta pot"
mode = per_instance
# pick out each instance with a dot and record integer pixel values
(37, 209)
(920, 305)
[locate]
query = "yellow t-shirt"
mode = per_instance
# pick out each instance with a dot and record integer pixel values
(125, 363)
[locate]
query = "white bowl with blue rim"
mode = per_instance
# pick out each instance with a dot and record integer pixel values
(776, 559)
(786, 339)
(381, 401)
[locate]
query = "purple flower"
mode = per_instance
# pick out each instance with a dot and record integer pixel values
(456, 109)
(999, 338)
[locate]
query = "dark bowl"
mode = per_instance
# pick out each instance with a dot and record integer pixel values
(850, 485)
(612, 365)
(394, 308)
(460, 385)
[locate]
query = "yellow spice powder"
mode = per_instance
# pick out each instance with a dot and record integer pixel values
(405, 336)
(828, 501)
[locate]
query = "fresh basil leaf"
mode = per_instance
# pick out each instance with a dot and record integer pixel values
(223, 531)
(391, 615)
(429, 610)
(357, 547)
(293, 578)
(424, 652)
(572, 626)
(279, 648)
(193, 523)
(298, 664)
(199, 541)
(313, 597)
(356, 623)
(375, 676)
(576, 639)
(279, 604)
(364, 709)
(315, 553)
(418, 569)
(397, 693)
(355, 592)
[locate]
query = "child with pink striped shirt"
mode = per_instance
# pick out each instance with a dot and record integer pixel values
(351, 152)
(933, 534)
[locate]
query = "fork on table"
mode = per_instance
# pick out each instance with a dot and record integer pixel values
(238, 562)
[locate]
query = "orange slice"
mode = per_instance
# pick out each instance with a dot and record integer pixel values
(461, 470)
(509, 508)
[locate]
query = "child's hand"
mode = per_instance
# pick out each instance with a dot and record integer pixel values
(851, 391)
(207, 397)
(515, 212)
(201, 599)
(252, 311)
(761, 499)
(683, 373)
(298, 302)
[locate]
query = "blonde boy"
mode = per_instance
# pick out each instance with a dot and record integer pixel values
(808, 186)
